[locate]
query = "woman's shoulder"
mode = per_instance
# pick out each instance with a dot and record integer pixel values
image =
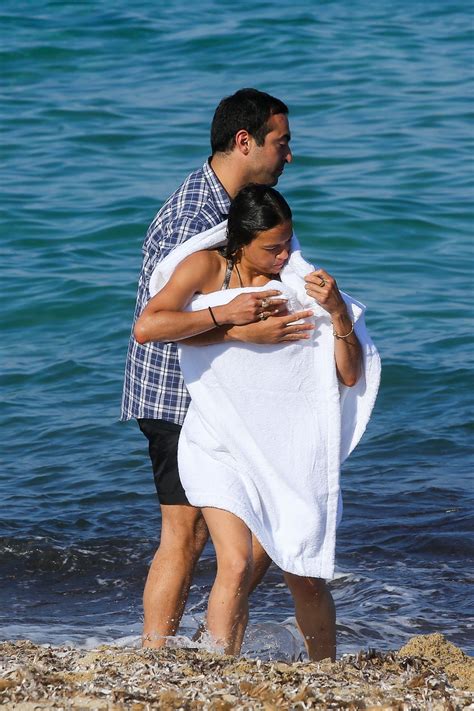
(204, 267)
(207, 259)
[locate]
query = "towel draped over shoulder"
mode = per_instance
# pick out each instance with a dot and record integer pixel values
(269, 425)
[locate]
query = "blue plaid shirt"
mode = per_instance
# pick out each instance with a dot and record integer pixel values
(154, 387)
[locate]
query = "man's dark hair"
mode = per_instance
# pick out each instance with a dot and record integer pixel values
(254, 209)
(247, 109)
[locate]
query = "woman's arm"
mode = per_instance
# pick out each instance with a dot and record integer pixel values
(163, 318)
(322, 287)
(279, 328)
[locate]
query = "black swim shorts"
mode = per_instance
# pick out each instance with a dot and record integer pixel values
(162, 439)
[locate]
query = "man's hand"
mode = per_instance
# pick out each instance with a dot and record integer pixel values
(274, 329)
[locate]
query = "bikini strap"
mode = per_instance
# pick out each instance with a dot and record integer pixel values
(228, 274)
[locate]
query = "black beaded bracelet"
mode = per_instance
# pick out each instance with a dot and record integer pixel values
(213, 318)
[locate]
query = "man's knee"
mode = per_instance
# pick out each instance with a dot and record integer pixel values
(183, 530)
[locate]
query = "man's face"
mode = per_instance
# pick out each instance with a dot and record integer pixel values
(267, 162)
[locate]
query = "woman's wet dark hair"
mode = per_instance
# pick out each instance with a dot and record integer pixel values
(255, 208)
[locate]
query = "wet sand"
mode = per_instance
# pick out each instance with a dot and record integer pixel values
(428, 673)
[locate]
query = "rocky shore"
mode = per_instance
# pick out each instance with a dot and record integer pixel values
(429, 673)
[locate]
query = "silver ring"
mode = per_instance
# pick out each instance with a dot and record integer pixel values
(263, 316)
(265, 303)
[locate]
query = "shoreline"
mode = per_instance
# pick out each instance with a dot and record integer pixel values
(427, 672)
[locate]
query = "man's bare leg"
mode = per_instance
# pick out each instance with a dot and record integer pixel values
(315, 615)
(183, 537)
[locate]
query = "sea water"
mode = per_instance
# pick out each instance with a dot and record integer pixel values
(106, 108)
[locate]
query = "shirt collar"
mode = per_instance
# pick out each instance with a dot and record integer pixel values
(219, 192)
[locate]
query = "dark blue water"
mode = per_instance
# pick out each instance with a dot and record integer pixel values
(106, 108)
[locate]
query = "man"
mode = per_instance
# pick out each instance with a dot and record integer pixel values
(250, 144)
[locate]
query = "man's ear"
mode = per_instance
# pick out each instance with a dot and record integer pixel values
(242, 141)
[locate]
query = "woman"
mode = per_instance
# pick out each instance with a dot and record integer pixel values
(248, 401)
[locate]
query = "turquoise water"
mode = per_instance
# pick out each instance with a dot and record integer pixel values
(106, 108)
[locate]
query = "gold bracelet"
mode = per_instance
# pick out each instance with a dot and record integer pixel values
(336, 335)
(218, 325)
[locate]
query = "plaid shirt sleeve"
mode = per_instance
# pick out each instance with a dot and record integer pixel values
(162, 239)
(153, 385)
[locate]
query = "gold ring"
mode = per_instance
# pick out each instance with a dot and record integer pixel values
(322, 282)
(265, 303)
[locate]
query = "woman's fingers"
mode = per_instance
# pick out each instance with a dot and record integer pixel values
(280, 328)
(253, 306)
(266, 306)
(296, 316)
(322, 287)
(267, 303)
(319, 279)
(259, 306)
(269, 300)
(296, 331)
(292, 331)
(320, 273)
(266, 294)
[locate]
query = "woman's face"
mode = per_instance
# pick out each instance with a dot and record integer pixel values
(269, 250)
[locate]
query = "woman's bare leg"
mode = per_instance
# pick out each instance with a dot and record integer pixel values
(261, 563)
(227, 612)
(315, 615)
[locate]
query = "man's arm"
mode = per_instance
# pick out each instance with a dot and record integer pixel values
(169, 230)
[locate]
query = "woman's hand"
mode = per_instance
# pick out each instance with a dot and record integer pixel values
(251, 307)
(322, 287)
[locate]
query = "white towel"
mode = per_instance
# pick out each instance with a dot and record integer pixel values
(269, 426)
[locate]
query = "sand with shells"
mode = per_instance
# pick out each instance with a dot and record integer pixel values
(428, 673)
